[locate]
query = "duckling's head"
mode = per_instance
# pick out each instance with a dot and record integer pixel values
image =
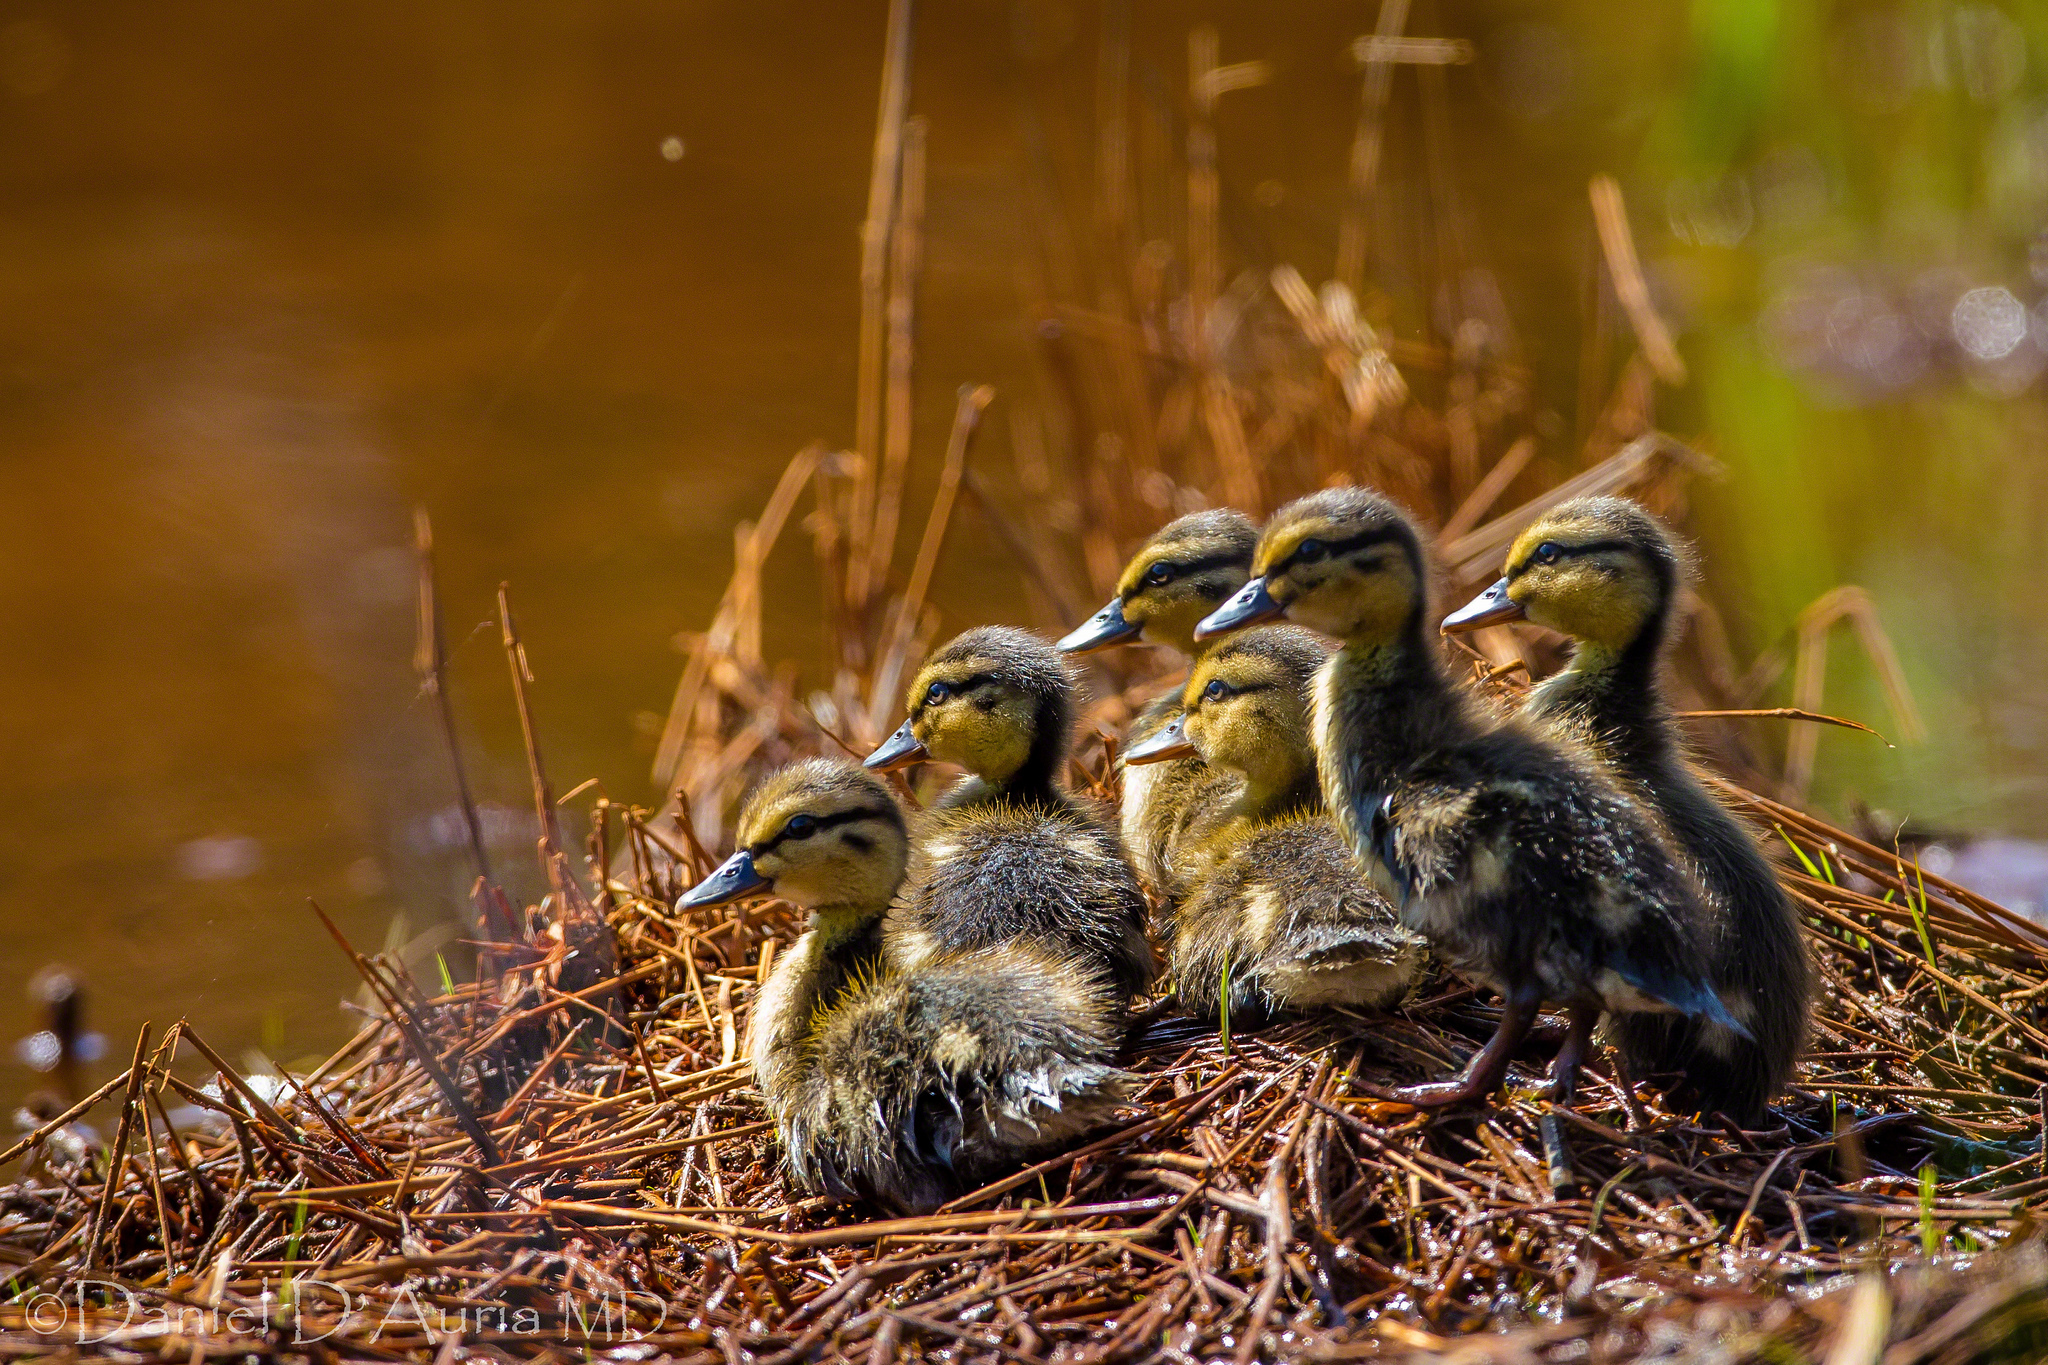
(1180, 575)
(1601, 570)
(816, 833)
(997, 701)
(1346, 562)
(1246, 709)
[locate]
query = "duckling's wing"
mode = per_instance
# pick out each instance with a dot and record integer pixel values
(1423, 832)
(1052, 1101)
(1685, 991)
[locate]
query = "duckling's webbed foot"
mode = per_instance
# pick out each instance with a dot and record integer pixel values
(1489, 1066)
(1578, 1043)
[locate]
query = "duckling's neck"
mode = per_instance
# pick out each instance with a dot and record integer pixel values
(845, 929)
(1036, 780)
(1610, 699)
(1261, 803)
(1380, 706)
(1281, 787)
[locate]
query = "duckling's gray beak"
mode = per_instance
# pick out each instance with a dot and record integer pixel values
(899, 750)
(1105, 628)
(1250, 605)
(1490, 608)
(1161, 745)
(734, 878)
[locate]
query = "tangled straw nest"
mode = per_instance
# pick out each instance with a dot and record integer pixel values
(566, 1155)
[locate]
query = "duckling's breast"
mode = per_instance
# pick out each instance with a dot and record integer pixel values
(1166, 807)
(809, 982)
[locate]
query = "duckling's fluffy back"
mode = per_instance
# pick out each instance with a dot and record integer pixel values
(927, 1083)
(1003, 871)
(1286, 913)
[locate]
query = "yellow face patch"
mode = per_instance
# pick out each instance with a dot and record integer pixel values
(1344, 562)
(1576, 575)
(1364, 595)
(825, 834)
(1246, 707)
(984, 726)
(1176, 580)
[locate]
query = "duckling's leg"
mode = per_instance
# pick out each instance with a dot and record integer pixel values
(1578, 1041)
(1489, 1066)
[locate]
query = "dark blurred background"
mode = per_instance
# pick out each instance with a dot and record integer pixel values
(579, 279)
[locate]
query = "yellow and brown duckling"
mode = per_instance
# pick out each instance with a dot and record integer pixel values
(1009, 855)
(830, 838)
(1276, 905)
(902, 1087)
(1184, 572)
(1604, 572)
(1523, 866)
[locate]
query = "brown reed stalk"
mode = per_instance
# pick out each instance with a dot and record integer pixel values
(905, 262)
(884, 185)
(1366, 141)
(430, 661)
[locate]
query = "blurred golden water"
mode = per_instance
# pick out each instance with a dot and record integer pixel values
(579, 280)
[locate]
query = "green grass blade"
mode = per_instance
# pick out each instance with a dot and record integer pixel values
(1930, 1234)
(1799, 853)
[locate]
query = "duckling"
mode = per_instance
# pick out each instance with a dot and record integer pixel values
(1277, 907)
(900, 1086)
(830, 838)
(1523, 866)
(1009, 854)
(1605, 573)
(1182, 573)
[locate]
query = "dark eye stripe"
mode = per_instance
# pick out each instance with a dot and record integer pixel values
(1347, 546)
(1564, 552)
(1187, 568)
(888, 815)
(958, 689)
(1232, 691)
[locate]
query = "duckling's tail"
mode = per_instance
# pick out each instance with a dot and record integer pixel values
(1718, 1069)
(1370, 966)
(936, 1078)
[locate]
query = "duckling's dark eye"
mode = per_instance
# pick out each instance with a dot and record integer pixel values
(1549, 552)
(1310, 551)
(936, 693)
(800, 827)
(1161, 572)
(1215, 691)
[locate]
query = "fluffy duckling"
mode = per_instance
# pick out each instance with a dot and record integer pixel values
(902, 1087)
(1184, 572)
(1520, 864)
(1009, 855)
(1605, 573)
(1277, 908)
(829, 838)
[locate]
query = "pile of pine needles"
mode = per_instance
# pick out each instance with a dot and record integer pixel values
(566, 1155)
